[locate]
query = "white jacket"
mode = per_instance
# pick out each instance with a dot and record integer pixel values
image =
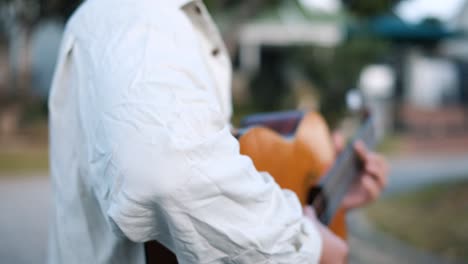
(141, 146)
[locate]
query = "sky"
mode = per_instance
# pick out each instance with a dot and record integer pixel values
(415, 10)
(410, 10)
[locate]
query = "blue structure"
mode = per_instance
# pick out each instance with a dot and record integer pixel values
(393, 28)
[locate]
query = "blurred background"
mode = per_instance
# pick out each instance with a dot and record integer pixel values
(408, 59)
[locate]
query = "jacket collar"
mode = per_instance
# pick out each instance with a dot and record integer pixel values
(181, 3)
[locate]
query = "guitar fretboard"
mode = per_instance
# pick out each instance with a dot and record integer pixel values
(328, 196)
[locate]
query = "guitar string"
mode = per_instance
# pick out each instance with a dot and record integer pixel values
(336, 186)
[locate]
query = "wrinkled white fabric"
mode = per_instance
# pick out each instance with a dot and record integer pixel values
(141, 147)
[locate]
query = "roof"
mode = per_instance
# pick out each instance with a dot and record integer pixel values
(393, 28)
(291, 24)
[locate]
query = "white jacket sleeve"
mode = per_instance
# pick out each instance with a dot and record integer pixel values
(181, 180)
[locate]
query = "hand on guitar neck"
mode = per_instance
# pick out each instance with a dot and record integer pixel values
(373, 177)
(365, 190)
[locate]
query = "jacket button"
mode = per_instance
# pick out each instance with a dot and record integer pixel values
(197, 9)
(215, 52)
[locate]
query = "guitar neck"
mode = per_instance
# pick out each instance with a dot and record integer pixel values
(327, 197)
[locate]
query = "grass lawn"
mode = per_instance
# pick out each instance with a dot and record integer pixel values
(390, 145)
(26, 151)
(25, 160)
(434, 218)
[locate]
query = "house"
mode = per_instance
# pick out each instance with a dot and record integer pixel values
(457, 49)
(290, 24)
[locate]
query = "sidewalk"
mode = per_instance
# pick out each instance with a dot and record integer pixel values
(408, 173)
(24, 210)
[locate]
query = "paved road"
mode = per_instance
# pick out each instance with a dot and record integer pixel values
(24, 206)
(410, 173)
(25, 202)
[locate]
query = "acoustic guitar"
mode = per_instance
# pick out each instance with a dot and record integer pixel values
(296, 149)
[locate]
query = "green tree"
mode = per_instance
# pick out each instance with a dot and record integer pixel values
(18, 18)
(332, 71)
(335, 71)
(369, 8)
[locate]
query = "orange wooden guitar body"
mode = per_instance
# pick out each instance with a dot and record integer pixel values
(298, 163)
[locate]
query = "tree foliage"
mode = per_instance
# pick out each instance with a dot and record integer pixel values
(369, 8)
(332, 71)
(29, 12)
(334, 75)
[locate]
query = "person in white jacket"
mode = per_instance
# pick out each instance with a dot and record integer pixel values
(141, 148)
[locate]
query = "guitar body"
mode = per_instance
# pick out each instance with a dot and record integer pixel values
(297, 163)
